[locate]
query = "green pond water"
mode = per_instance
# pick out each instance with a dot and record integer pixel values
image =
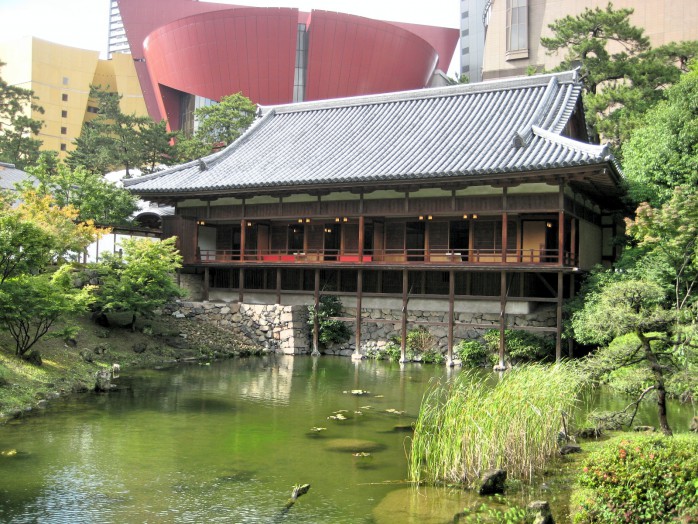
(227, 442)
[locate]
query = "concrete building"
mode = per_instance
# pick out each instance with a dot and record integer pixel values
(60, 77)
(473, 28)
(515, 27)
(190, 53)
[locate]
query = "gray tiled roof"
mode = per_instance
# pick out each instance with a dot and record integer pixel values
(10, 175)
(496, 127)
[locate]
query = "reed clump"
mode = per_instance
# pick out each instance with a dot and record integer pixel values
(474, 423)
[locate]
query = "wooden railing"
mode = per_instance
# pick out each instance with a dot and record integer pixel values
(390, 256)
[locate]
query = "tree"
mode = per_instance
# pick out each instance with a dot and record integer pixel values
(141, 281)
(623, 306)
(623, 77)
(219, 125)
(115, 140)
(156, 142)
(30, 305)
(24, 246)
(69, 236)
(17, 130)
(663, 151)
(94, 197)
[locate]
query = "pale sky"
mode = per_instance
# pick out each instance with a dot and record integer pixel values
(84, 23)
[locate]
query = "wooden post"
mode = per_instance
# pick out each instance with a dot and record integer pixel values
(570, 341)
(505, 224)
(316, 320)
(278, 285)
(403, 331)
(359, 296)
(502, 320)
(241, 285)
(206, 284)
(561, 226)
(558, 330)
(451, 307)
(243, 229)
(361, 239)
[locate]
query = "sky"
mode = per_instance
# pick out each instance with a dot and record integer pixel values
(84, 23)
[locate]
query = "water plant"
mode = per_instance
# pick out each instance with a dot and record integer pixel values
(473, 353)
(475, 423)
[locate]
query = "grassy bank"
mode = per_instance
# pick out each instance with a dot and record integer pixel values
(70, 367)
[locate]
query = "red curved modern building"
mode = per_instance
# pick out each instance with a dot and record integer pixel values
(188, 53)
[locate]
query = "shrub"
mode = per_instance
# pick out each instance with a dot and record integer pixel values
(521, 346)
(419, 340)
(473, 353)
(640, 479)
(331, 331)
(433, 356)
(392, 351)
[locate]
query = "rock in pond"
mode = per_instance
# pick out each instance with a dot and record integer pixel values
(539, 512)
(425, 505)
(493, 482)
(351, 445)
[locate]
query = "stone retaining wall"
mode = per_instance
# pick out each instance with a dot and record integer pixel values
(284, 329)
(281, 329)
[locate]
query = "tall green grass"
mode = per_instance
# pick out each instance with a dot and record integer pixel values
(475, 423)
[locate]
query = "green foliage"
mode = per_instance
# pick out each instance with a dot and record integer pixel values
(114, 140)
(663, 151)
(94, 197)
(619, 86)
(419, 340)
(392, 351)
(142, 280)
(24, 246)
(473, 353)
(219, 125)
(330, 331)
(17, 130)
(521, 346)
(467, 425)
(225, 122)
(642, 480)
(31, 304)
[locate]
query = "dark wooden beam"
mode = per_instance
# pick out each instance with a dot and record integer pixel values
(316, 320)
(451, 313)
(359, 296)
(403, 330)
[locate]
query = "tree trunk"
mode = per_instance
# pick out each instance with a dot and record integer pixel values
(133, 323)
(658, 373)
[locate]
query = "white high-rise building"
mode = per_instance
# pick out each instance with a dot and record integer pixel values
(473, 27)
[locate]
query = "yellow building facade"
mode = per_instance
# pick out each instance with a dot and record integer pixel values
(60, 77)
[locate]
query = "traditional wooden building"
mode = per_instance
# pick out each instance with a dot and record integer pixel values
(483, 197)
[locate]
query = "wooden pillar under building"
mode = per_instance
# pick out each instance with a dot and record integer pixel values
(316, 319)
(278, 285)
(570, 340)
(361, 238)
(561, 226)
(558, 326)
(206, 283)
(241, 285)
(359, 296)
(501, 366)
(451, 313)
(403, 330)
(243, 228)
(505, 224)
